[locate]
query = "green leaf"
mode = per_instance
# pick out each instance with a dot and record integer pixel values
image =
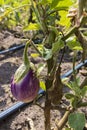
(64, 21)
(61, 8)
(47, 54)
(77, 121)
(55, 3)
(74, 102)
(83, 91)
(74, 86)
(76, 89)
(42, 85)
(73, 44)
(69, 95)
(25, 1)
(2, 2)
(69, 85)
(66, 3)
(45, 2)
(17, 16)
(77, 48)
(82, 104)
(32, 26)
(57, 46)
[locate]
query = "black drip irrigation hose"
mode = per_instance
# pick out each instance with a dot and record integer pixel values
(4, 114)
(18, 47)
(12, 49)
(76, 68)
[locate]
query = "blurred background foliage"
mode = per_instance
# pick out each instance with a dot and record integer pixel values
(14, 13)
(17, 12)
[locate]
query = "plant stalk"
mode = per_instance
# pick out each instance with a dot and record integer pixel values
(47, 113)
(80, 7)
(60, 124)
(47, 107)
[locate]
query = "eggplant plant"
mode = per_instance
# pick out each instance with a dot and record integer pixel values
(57, 35)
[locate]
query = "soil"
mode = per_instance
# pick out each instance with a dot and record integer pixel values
(30, 117)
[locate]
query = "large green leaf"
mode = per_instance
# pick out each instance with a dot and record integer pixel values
(77, 121)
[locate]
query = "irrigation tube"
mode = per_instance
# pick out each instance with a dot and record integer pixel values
(12, 49)
(18, 47)
(19, 105)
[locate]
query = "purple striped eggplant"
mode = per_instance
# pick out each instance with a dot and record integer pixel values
(25, 89)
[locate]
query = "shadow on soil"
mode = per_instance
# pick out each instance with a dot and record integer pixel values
(6, 71)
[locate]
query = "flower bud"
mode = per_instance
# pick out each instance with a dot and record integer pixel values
(25, 89)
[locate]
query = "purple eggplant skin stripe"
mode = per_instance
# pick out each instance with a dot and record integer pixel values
(27, 88)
